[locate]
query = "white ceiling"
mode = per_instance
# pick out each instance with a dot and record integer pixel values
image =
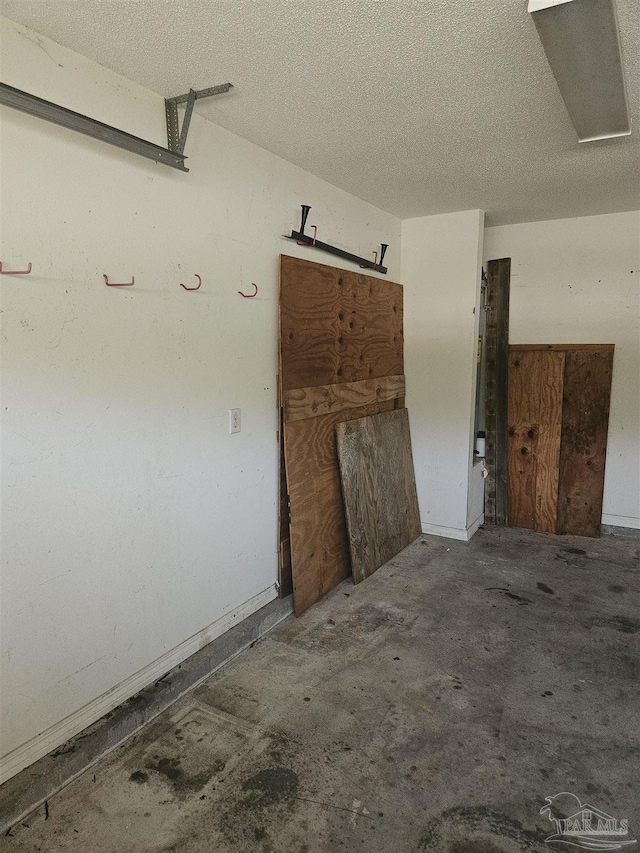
(417, 106)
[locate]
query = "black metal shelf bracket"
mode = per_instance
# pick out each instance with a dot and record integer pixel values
(172, 156)
(305, 239)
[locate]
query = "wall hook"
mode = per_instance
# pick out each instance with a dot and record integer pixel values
(15, 272)
(315, 234)
(250, 295)
(303, 239)
(197, 287)
(375, 260)
(120, 284)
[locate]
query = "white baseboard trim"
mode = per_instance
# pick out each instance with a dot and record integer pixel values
(621, 521)
(60, 732)
(475, 526)
(463, 534)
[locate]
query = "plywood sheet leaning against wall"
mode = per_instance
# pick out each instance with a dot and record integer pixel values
(535, 425)
(341, 358)
(378, 488)
(558, 417)
(585, 423)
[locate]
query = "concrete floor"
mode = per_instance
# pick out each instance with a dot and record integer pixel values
(431, 708)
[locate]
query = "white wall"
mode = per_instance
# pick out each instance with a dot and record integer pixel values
(441, 270)
(577, 281)
(135, 528)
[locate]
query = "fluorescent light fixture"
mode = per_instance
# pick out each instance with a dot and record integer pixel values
(582, 43)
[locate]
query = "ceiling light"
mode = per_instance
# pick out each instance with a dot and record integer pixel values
(582, 43)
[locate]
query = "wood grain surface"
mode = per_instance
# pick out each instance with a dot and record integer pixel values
(301, 403)
(522, 440)
(496, 343)
(319, 543)
(378, 489)
(564, 347)
(559, 397)
(584, 440)
(285, 577)
(336, 327)
(535, 425)
(549, 384)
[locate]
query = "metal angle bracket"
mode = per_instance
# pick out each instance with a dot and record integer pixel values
(177, 138)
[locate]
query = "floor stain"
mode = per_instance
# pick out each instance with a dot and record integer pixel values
(625, 625)
(139, 776)
(272, 785)
(183, 783)
(453, 826)
(519, 598)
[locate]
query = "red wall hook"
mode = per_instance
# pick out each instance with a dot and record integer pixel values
(119, 284)
(250, 295)
(15, 272)
(197, 287)
(375, 260)
(315, 234)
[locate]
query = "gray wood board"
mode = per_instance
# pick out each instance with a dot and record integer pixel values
(378, 488)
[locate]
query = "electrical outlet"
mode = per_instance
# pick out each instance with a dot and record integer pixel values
(234, 420)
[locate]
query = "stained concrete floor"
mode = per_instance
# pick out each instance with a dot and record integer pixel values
(432, 708)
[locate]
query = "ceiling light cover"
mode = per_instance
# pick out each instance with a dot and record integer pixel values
(582, 44)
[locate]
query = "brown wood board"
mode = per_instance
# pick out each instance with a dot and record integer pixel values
(583, 448)
(285, 579)
(522, 441)
(535, 418)
(378, 488)
(496, 415)
(550, 384)
(336, 327)
(302, 403)
(319, 543)
(564, 347)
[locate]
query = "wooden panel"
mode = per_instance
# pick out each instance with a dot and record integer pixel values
(285, 579)
(378, 488)
(302, 403)
(549, 381)
(337, 326)
(522, 439)
(535, 422)
(497, 371)
(587, 392)
(319, 544)
(564, 347)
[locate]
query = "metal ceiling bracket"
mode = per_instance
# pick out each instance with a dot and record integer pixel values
(172, 156)
(176, 138)
(27, 103)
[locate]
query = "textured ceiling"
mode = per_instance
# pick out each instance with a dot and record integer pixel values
(417, 106)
